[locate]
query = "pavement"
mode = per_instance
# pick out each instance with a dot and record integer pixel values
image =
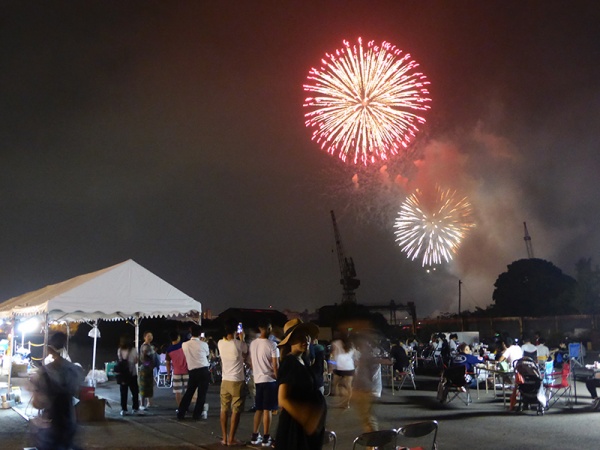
(485, 423)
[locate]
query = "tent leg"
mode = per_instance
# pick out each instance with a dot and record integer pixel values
(10, 358)
(95, 328)
(45, 336)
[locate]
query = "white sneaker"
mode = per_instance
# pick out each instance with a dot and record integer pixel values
(267, 441)
(204, 415)
(124, 413)
(256, 438)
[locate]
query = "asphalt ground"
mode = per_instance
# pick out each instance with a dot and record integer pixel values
(484, 424)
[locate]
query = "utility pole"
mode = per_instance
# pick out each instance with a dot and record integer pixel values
(459, 296)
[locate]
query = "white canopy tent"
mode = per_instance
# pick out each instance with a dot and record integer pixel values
(123, 291)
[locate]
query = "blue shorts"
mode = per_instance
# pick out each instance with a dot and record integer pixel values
(266, 396)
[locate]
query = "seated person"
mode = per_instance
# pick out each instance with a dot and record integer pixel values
(401, 360)
(465, 358)
(529, 349)
(591, 384)
(543, 352)
(511, 352)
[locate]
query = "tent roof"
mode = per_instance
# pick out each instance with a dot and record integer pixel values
(117, 292)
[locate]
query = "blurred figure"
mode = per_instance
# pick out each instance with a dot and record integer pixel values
(342, 354)
(365, 386)
(233, 351)
(264, 356)
(127, 356)
(54, 385)
(304, 410)
(146, 372)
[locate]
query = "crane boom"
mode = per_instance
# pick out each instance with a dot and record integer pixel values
(528, 243)
(348, 278)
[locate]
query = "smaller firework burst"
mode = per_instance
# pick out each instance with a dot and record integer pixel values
(433, 228)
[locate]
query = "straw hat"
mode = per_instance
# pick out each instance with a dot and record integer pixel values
(296, 325)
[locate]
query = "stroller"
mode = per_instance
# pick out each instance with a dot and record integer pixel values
(529, 385)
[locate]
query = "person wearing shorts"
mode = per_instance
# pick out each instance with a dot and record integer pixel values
(233, 351)
(264, 356)
(175, 360)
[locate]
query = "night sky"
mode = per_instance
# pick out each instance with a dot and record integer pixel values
(172, 133)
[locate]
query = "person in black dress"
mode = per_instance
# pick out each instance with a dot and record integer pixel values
(302, 420)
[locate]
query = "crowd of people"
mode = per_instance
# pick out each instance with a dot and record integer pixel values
(288, 376)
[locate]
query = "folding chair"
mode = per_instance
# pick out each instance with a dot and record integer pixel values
(456, 384)
(380, 440)
(557, 386)
(576, 353)
(407, 373)
(418, 430)
(163, 378)
(329, 439)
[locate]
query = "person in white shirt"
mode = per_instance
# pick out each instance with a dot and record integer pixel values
(511, 353)
(529, 349)
(196, 354)
(264, 356)
(233, 351)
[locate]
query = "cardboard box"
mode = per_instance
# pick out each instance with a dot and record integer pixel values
(91, 410)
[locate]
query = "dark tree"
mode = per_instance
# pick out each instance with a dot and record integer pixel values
(534, 287)
(587, 297)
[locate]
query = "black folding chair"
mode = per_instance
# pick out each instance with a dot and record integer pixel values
(329, 439)
(417, 430)
(456, 384)
(382, 439)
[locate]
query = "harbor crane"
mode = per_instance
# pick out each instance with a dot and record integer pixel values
(348, 278)
(528, 243)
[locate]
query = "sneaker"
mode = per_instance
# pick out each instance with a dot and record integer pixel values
(256, 438)
(142, 408)
(204, 415)
(596, 404)
(138, 412)
(124, 413)
(267, 441)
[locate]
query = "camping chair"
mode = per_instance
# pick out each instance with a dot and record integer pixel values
(418, 430)
(557, 386)
(456, 384)
(163, 378)
(407, 373)
(329, 439)
(380, 440)
(576, 353)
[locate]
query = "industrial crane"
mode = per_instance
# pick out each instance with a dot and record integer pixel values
(348, 278)
(528, 243)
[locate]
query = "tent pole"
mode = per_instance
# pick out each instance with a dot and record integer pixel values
(10, 356)
(137, 338)
(68, 336)
(45, 337)
(95, 328)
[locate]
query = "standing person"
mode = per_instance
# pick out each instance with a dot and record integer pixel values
(368, 367)
(54, 386)
(343, 353)
(146, 373)
(196, 353)
(175, 360)
(127, 356)
(264, 356)
(317, 363)
(304, 410)
(233, 351)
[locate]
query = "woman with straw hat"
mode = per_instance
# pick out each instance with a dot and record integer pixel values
(302, 421)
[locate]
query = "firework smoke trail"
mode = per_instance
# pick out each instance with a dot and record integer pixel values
(434, 231)
(366, 101)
